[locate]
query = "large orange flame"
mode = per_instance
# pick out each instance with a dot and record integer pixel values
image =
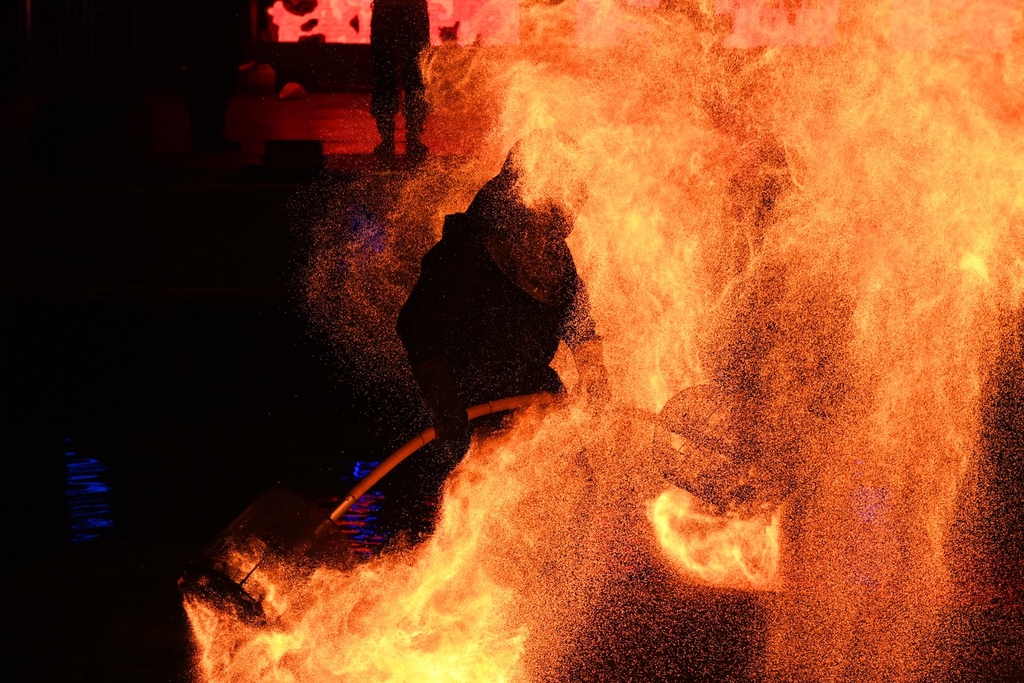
(826, 228)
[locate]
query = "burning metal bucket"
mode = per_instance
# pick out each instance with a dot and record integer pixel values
(283, 533)
(280, 526)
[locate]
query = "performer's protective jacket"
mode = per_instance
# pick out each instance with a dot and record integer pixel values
(497, 339)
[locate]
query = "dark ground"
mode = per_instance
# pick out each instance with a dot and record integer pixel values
(152, 345)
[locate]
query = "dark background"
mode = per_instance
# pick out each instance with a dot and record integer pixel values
(140, 46)
(157, 371)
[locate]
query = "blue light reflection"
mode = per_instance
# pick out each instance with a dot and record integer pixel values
(90, 514)
(362, 522)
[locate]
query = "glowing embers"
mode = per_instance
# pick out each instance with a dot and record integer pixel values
(88, 496)
(728, 551)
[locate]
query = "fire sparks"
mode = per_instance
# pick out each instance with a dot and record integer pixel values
(445, 610)
(826, 229)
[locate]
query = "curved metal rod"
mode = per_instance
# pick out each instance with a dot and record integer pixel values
(425, 437)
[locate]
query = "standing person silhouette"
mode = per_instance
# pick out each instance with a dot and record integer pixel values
(399, 30)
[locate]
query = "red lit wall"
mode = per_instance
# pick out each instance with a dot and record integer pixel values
(483, 22)
(487, 22)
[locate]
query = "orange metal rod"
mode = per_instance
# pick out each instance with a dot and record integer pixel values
(425, 437)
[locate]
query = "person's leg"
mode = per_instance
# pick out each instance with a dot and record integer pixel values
(197, 102)
(218, 123)
(384, 99)
(207, 96)
(415, 105)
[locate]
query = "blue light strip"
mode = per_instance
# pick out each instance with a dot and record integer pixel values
(88, 497)
(361, 523)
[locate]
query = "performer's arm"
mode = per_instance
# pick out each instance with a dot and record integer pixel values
(421, 329)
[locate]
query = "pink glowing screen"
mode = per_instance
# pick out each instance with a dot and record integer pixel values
(468, 22)
(485, 22)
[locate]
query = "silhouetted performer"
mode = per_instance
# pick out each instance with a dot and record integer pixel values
(211, 71)
(399, 30)
(496, 295)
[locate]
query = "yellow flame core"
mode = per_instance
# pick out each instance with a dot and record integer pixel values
(831, 234)
(726, 551)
